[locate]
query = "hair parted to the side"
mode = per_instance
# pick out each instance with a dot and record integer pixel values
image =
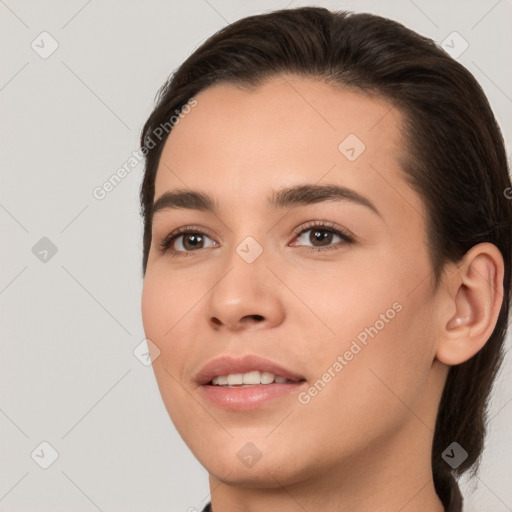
(455, 158)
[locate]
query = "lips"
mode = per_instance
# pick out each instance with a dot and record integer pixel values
(229, 365)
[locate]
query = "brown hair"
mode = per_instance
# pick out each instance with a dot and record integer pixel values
(455, 158)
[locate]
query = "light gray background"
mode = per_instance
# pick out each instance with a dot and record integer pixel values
(69, 325)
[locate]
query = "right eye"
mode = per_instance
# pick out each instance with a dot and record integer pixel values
(184, 240)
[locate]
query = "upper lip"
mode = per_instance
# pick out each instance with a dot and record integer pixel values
(227, 365)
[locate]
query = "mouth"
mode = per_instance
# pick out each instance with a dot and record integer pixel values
(246, 383)
(247, 370)
(250, 379)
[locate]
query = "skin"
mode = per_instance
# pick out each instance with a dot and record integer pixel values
(363, 442)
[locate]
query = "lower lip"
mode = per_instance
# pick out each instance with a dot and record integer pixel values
(250, 397)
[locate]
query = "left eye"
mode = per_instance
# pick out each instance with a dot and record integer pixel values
(322, 234)
(324, 237)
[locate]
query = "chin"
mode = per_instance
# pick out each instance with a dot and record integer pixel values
(265, 476)
(247, 468)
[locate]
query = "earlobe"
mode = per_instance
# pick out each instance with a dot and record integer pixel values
(477, 301)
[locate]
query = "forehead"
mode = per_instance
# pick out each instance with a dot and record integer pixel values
(240, 143)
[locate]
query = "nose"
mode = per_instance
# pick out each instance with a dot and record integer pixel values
(248, 296)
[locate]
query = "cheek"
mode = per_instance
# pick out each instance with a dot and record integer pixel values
(166, 302)
(375, 387)
(154, 317)
(166, 319)
(166, 308)
(381, 342)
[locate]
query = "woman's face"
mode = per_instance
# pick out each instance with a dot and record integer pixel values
(352, 318)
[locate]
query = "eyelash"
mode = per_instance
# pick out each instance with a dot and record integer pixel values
(165, 245)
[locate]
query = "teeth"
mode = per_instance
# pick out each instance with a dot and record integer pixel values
(251, 377)
(254, 377)
(267, 378)
(235, 379)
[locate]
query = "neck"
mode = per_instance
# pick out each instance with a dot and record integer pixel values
(387, 477)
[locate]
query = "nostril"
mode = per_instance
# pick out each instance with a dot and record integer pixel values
(252, 318)
(258, 318)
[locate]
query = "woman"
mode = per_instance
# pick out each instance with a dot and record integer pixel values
(326, 263)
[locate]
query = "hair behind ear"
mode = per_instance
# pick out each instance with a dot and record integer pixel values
(447, 488)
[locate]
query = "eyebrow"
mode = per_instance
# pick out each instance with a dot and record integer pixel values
(291, 197)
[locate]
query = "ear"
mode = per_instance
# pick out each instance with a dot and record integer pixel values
(471, 305)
